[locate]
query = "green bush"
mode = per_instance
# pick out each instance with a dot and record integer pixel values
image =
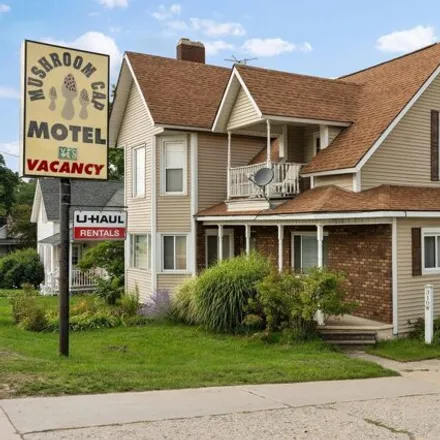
(35, 319)
(85, 321)
(128, 304)
(110, 290)
(288, 302)
(223, 291)
(20, 267)
(418, 330)
(183, 303)
(22, 303)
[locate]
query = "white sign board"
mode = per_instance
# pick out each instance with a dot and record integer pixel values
(99, 225)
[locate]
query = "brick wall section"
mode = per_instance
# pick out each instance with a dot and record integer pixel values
(363, 253)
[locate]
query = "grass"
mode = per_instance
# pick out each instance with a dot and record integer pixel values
(406, 350)
(158, 356)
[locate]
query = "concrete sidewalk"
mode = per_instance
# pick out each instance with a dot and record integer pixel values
(46, 417)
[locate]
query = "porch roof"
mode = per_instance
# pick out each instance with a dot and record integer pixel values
(55, 238)
(333, 199)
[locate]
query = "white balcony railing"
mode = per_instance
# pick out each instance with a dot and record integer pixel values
(284, 184)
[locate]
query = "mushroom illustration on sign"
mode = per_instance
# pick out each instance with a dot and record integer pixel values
(53, 97)
(70, 93)
(84, 101)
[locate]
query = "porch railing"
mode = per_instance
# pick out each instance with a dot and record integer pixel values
(284, 184)
(78, 280)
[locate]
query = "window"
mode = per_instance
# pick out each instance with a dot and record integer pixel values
(212, 245)
(305, 251)
(76, 255)
(140, 251)
(174, 166)
(316, 143)
(431, 250)
(174, 252)
(138, 172)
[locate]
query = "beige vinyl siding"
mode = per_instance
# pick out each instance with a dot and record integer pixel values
(410, 299)
(295, 145)
(332, 133)
(243, 112)
(345, 181)
(213, 160)
(404, 158)
(136, 130)
(173, 211)
(169, 282)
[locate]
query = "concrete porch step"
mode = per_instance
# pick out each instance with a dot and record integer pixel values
(351, 343)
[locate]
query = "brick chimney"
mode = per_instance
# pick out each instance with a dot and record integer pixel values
(189, 50)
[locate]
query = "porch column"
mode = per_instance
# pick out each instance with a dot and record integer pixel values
(220, 242)
(247, 233)
(269, 153)
(52, 258)
(280, 247)
(320, 237)
(228, 186)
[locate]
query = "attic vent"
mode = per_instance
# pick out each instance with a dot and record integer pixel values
(189, 50)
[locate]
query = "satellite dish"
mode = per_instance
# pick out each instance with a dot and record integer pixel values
(263, 177)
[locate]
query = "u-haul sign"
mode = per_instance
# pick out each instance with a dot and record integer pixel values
(99, 225)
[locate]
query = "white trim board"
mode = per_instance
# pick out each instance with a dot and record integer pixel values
(394, 277)
(194, 201)
(307, 120)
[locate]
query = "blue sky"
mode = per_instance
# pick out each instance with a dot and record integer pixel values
(317, 38)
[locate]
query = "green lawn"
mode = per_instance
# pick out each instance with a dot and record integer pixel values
(406, 350)
(158, 356)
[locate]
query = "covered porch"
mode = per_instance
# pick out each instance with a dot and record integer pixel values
(360, 248)
(79, 281)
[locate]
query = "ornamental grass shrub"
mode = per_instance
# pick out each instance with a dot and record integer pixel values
(223, 291)
(183, 303)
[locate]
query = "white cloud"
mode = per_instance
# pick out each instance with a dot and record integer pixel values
(213, 28)
(164, 13)
(8, 93)
(176, 25)
(115, 29)
(94, 42)
(408, 40)
(114, 3)
(93, 14)
(9, 147)
(214, 47)
(4, 8)
(270, 47)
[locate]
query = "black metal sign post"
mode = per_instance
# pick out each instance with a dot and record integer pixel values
(65, 195)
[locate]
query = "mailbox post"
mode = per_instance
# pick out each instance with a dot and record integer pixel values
(429, 313)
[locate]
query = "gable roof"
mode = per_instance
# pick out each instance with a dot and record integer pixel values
(333, 199)
(178, 92)
(84, 193)
(386, 90)
(279, 93)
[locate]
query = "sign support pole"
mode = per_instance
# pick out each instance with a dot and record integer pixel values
(65, 195)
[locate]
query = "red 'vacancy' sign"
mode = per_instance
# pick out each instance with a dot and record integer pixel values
(99, 225)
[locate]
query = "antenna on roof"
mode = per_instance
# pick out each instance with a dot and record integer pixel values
(236, 60)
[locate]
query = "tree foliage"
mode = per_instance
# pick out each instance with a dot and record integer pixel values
(8, 181)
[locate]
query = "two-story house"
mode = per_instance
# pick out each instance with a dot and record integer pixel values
(354, 173)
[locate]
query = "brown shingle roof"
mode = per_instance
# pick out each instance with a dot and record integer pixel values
(179, 92)
(289, 94)
(327, 199)
(386, 89)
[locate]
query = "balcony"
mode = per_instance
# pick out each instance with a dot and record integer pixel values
(285, 184)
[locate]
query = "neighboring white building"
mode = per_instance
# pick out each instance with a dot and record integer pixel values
(45, 213)
(7, 243)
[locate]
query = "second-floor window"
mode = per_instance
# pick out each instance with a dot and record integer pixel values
(316, 143)
(174, 161)
(138, 172)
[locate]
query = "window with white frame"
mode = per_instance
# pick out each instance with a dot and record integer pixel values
(140, 251)
(174, 252)
(174, 166)
(316, 143)
(305, 250)
(138, 172)
(431, 250)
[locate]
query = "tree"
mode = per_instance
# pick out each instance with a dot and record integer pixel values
(116, 168)
(8, 182)
(19, 222)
